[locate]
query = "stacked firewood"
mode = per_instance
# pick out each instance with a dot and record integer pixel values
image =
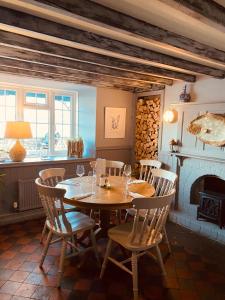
(147, 127)
(75, 148)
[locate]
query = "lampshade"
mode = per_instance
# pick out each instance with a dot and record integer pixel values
(170, 116)
(18, 130)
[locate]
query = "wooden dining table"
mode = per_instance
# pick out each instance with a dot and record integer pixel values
(105, 199)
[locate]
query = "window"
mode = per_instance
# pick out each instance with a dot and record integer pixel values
(36, 111)
(63, 121)
(7, 113)
(51, 114)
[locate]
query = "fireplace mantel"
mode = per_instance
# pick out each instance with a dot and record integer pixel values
(182, 156)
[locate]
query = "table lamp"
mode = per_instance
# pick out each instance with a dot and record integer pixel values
(17, 130)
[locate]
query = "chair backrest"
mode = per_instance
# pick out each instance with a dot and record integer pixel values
(143, 232)
(146, 167)
(114, 168)
(163, 181)
(52, 176)
(55, 215)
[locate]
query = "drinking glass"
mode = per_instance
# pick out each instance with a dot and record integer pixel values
(92, 180)
(80, 170)
(127, 170)
(127, 174)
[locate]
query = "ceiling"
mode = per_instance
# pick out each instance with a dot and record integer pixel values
(128, 44)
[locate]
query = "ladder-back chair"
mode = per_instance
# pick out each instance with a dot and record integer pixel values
(163, 182)
(64, 225)
(114, 168)
(140, 235)
(51, 177)
(147, 165)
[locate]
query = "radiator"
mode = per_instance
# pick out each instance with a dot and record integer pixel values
(28, 196)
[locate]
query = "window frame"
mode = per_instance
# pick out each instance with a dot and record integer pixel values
(21, 92)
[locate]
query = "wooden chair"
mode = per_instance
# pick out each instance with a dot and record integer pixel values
(147, 165)
(51, 177)
(140, 235)
(163, 181)
(113, 168)
(64, 225)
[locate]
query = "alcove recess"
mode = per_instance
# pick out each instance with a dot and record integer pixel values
(147, 127)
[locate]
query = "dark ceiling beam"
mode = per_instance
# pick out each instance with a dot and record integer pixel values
(55, 77)
(35, 24)
(8, 62)
(110, 17)
(207, 8)
(86, 68)
(19, 41)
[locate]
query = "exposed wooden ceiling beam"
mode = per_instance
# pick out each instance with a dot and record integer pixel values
(72, 73)
(93, 82)
(105, 15)
(35, 24)
(78, 55)
(207, 8)
(86, 68)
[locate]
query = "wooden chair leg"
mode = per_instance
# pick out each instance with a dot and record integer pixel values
(134, 274)
(93, 241)
(161, 263)
(126, 217)
(61, 263)
(49, 238)
(43, 232)
(118, 216)
(107, 253)
(166, 239)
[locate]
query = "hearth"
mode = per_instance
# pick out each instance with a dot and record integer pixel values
(212, 207)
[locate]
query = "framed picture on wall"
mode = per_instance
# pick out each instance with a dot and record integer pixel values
(115, 122)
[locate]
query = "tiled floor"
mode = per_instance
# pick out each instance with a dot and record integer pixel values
(196, 270)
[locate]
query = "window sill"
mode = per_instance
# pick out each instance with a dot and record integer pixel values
(38, 161)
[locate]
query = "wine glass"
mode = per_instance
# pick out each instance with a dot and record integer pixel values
(127, 173)
(80, 170)
(127, 170)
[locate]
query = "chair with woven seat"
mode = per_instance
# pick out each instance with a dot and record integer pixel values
(65, 226)
(147, 165)
(163, 182)
(141, 235)
(51, 177)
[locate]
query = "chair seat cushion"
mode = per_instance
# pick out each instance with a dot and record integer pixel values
(121, 234)
(78, 222)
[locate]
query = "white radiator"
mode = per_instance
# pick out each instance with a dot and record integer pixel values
(28, 196)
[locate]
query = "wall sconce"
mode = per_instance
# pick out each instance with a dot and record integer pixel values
(170, 116)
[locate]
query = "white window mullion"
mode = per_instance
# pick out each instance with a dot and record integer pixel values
(51, 122)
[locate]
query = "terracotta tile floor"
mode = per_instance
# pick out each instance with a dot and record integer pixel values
(196, 270)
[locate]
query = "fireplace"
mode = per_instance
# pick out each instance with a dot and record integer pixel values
(208, 192)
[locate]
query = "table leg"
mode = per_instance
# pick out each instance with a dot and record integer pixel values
(104, 222)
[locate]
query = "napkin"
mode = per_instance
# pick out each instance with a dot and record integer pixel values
(81, 196)
(136, 181)
(136, 195)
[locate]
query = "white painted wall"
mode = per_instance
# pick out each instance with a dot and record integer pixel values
(114, 98)
(116, 149)
(204, 90)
